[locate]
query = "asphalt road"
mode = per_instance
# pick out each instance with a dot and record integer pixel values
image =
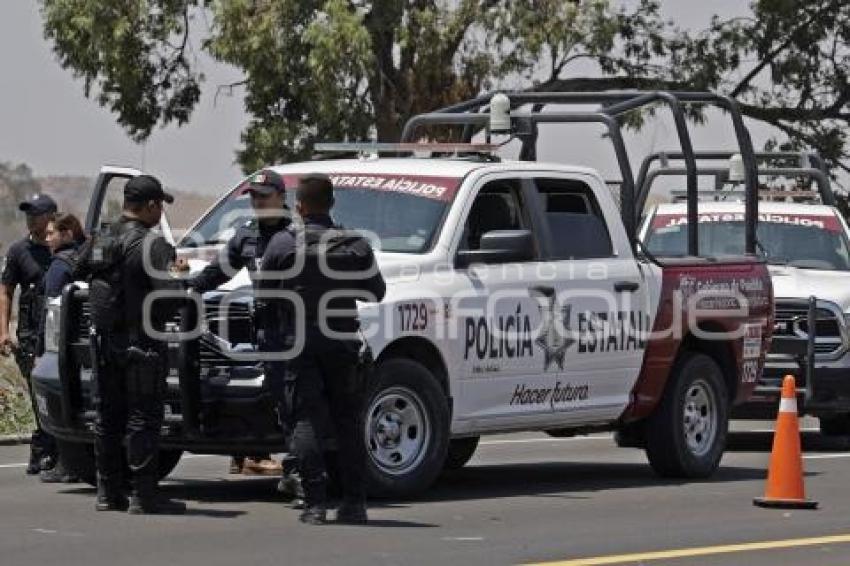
(522, 499)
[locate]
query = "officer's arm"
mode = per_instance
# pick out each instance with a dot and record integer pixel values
(374, 284)
(6, 294)
(214, 275)
(8, 282)
(161, 259)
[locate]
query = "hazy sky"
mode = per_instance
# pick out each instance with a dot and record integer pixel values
(46, 121)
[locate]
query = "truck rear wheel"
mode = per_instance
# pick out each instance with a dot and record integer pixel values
(686, 435)
(78, 458)
(406, 426)
(461, 451)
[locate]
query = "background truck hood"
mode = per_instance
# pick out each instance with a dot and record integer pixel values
(792, 282)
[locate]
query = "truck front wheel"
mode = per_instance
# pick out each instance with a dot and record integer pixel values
(686, 435)
(406, 426)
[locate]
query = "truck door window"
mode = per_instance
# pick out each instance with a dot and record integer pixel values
(496, 207)
(574, 223)
(113, 201)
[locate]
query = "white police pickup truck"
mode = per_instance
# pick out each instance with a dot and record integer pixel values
(807, 247)
(515, 302)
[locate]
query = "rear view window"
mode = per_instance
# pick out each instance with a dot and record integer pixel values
(576, 228)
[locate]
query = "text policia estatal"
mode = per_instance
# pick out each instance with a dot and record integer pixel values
(511, 335)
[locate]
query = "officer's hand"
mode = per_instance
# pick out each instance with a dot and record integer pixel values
(180, 266)
(7, 345)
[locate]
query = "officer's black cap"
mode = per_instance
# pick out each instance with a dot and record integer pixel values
(265, 183)
(37, 205)
(144, 188)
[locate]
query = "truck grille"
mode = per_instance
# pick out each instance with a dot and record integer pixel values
(236, 322)
(791, 321)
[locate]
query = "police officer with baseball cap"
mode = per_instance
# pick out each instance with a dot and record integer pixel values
(26, 263)
(245, 250)
(324, 383)
(124, 264)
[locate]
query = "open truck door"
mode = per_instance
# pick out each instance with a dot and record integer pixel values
(108, 198)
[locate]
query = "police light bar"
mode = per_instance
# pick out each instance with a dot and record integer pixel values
(381, 147)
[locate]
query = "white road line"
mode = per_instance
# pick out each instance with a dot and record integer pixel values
(827, 456)
(13, 465)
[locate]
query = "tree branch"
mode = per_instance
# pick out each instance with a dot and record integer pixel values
(771, 55)
(229, 88)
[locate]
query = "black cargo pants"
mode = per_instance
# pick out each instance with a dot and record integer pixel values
(129, 407)
(327, 403)
(42, 444)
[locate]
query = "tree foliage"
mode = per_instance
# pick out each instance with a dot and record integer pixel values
(320, 69)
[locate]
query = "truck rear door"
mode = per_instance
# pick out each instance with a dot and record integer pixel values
(601, 299)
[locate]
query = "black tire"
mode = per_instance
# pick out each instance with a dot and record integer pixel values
(78, 458)
(696, 382)
(461, 451)
(405, 387)
(835, 425)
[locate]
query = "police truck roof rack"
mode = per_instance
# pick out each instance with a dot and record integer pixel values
(497, 113)
(801, 165)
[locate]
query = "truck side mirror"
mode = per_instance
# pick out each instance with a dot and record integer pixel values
(499, 246)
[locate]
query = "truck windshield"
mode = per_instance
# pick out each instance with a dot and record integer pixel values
(403, 213)
(809, 242)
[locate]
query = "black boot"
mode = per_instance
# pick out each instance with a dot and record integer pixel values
(314, 515)
(144, 499)
(290, 488)
(352, 512)
(110, 497)
(58, 474)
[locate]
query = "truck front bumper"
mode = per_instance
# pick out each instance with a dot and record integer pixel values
(829, 394)
(244, 415)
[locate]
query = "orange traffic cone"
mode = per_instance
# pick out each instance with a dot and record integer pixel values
(785, 475)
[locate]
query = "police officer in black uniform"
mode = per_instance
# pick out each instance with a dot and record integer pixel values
(126, 263)
(327, 392)
(245, 250)
(26, 263)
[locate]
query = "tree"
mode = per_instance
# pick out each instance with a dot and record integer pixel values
(335, 69)
(326, 69)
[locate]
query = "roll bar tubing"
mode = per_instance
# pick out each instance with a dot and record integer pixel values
(613, 104)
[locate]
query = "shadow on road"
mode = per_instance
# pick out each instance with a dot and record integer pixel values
(562, 479)
(763, 441)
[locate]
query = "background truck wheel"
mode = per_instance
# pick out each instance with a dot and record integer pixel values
(406, 426)
(836, 425)
(686, 435)
(79, 459)
(461, 451)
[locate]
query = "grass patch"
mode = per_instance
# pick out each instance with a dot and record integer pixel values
(15, 408)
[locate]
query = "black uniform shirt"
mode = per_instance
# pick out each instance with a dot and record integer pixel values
(147, 258)
(311, 284)
(26, 264)
(244, 249)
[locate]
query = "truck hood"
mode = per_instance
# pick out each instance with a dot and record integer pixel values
(795, 283)
(396, 268)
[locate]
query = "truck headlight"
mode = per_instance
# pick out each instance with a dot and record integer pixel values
(51, 325)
